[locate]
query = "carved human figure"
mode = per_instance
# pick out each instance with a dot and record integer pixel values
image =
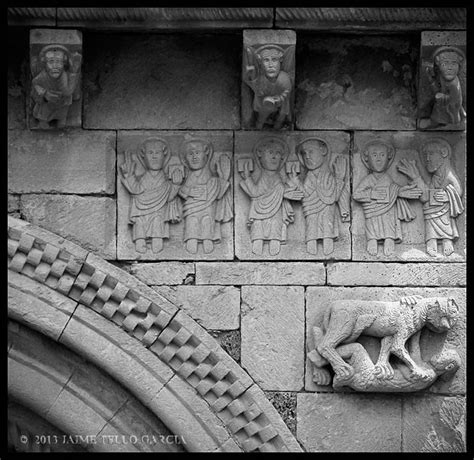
(270, 191)
(383, 200)
(154, 202)
(268, 74)
(56, 85)
(206, 194)
(325, 189)
(393, 322)
(366, 379)
(446, 86)
(441, 197)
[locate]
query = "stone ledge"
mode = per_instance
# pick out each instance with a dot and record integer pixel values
(261, 273)
(161, 273)
(398, 19)
(396, 274)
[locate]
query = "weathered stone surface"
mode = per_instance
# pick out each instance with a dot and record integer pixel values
(229, 341)
(157, 19)
(17, 59)
(168, 292)
(73, 162)
(431, 42)
(174, 246)
(285, 404)
(388, 19)
(13, 203)
(395, 274)
(255, 110)
(360, 83)
(87, 221)
(213, 307)
(192, 414)
(293, 245)
(32, 16)
(37, 305)
(184, 82)
(272, 352)
(349, 422)
(317, 298)
(162, 272)
(266, 273)
(434, 424)
(43, 112)
(408, 146)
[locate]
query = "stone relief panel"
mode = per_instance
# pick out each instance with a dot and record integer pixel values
(55, 64)
(292, 196)
(268, 78)
(385, 340)
(442, 81)
(362, 82)
(174, 195)
(408, 197)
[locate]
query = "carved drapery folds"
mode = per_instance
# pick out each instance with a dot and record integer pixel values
(55, 64)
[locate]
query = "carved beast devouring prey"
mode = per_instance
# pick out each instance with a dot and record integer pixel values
(394, 322)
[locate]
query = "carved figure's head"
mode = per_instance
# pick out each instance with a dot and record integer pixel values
(272, 153)
(313, 153)
(378, 155)
(270, 56)
(54, 58)
(447, 360)
(448, 59)
(437, 152)
(441, 314)
(197, 153)
(154, 152)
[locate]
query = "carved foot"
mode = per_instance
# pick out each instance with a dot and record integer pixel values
(372, 247)
(208, 246)
(312, 247)
(448, 247)
(274, 247)
(43, 124)
(157, 245)
(321, 376)
(432, 247)
(140, 246)
(419, 374)
(257, 247)
(328, 246)
(344, 371)
(389, 247)
(192, 246)
(383, 371)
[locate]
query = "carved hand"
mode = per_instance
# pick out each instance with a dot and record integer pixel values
(409, 168)
(378, 194)
(223, 167)
(177, 176)
(246, 172)
(52, 96)
(412, 192)
(198, 191)
(441, 196)
(75, 62)
(129, 166)
(410, 299)
(340, 167)
(293, 195)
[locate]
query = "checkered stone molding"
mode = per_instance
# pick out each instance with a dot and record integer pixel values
(169, 333)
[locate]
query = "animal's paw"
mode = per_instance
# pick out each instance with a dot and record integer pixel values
(321, 376)
(383, 371)
(344, 371)
(419, 374)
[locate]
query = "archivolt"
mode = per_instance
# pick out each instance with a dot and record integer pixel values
(157, 352)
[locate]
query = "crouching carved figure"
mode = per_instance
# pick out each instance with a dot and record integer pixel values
(398, 325)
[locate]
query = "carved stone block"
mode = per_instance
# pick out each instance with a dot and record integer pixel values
(294, 202)
(56, 89)
(268, 78)
(273, 352)
(356, 82)
(439, 355)
(153, 81)
(408, 197)
(442, 81)
(17, 65)
(174, 195)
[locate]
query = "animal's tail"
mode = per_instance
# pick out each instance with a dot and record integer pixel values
(321, 376)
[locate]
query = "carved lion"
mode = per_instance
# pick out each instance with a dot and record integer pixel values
(394, 322)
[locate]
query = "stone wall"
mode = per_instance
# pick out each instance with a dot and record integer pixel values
(350, 88)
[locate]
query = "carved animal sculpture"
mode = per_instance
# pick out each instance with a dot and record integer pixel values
(394, 322)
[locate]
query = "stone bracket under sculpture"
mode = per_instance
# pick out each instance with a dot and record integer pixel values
(336, 357)
(442, 88)
(268, 78)
(55, 63)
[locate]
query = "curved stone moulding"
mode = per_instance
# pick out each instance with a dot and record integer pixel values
(113, 308)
